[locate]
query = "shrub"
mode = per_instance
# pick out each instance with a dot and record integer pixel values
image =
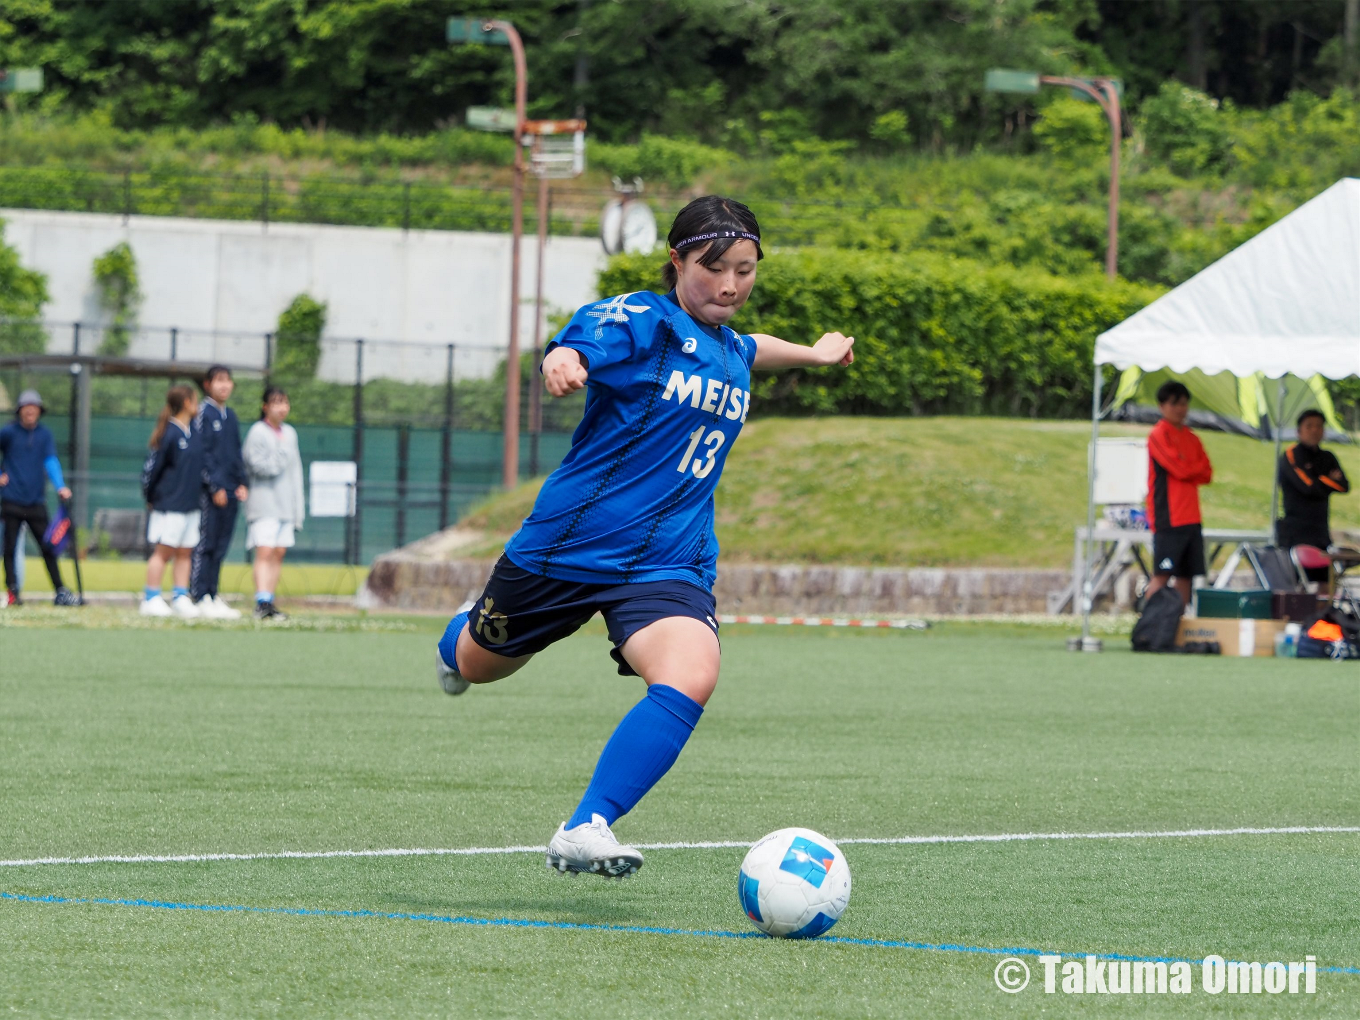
(1073, 131)
(297, 344)
(23, 292)
(120, 296)
(933, 334)
(1186, 129)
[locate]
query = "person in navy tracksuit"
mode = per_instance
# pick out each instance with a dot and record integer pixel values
(172, 482)
(224, 478)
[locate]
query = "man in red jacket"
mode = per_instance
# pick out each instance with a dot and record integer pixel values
(1177, 467)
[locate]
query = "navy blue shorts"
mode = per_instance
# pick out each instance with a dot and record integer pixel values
(521, 613)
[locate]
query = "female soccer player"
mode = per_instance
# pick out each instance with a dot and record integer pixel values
(625, 525)
(172, 482)
(274, 505)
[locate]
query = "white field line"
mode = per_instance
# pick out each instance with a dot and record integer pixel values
(726, 844)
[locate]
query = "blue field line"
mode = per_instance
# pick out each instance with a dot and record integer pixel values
(522, 922)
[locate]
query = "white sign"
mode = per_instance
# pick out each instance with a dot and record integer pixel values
(333, 483)
(1121, 470)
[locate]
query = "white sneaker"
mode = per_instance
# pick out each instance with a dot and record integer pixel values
(591, 847)
(449, 678)
(215, 609)
(155, 606)
(183, 607)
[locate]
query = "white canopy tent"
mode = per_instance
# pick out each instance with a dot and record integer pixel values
(1285, 302)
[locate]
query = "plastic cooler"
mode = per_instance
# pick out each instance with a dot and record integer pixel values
(1223, 604)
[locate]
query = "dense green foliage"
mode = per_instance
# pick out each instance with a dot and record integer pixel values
(23, 292)
(297, 342)
(932, 334)
(120, 296)
(896, 73)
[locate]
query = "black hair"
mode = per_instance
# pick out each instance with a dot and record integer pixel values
(713, 224)
(1172, 390)
(212, 373)
(271, 392)
(1312, 412)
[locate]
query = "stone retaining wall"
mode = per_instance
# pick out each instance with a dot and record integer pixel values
(411, 583)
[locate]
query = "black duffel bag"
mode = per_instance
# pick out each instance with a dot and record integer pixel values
(1156, 628)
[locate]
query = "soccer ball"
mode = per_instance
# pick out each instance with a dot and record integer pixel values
(794, 884)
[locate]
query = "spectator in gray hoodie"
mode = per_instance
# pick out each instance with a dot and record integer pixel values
(275, 507)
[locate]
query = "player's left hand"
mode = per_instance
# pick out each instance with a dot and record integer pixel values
(64, 492)
(835, 349)
(242, 493)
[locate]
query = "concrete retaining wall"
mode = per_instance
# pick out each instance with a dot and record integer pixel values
(400, 581)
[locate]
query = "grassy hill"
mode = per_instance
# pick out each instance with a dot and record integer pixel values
(931, 491)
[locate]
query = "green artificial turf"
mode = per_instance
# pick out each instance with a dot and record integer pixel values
(163, 741)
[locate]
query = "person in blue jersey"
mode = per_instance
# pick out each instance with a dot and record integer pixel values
(224, 480)
(28, 460)
(172, 484)
(624, 526)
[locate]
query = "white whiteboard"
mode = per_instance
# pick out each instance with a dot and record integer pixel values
(333, 485)
(1121, 470)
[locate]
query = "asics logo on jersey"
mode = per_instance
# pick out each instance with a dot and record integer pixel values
(711, 395)
(690, 346)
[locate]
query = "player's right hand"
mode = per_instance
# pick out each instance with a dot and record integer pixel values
(563, 372)
(219, 497)
(4, 479)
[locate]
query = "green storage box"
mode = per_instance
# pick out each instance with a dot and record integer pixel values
(1225, 603)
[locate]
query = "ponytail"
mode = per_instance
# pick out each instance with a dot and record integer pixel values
(175, 399)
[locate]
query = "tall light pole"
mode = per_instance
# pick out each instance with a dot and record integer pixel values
(495, 32)
(1105, 91)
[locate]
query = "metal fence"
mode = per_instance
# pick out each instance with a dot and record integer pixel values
(412, 481)
(421, 421)
(381, 201)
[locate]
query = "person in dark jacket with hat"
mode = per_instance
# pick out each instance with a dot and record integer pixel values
(28, 459)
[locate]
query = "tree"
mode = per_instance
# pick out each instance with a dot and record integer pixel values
(23, 292)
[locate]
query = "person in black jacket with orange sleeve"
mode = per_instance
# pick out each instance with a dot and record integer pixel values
(1177, 467)
(1309, 476)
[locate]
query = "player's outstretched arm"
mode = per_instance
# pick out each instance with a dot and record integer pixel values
(832, 349)
(563, 372)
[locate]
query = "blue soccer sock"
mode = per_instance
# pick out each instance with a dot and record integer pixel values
(448, 644)
(641, 751)
(178, 591)
(264, 596)
(151, 593)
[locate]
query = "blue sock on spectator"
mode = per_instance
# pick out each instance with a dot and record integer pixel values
(448, 644)
(180, 591)
(151, 593)
(641, 751)
(264, 596)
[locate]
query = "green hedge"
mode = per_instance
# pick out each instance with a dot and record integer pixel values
(933, 335)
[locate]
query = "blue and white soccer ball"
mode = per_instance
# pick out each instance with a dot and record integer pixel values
(794, 884)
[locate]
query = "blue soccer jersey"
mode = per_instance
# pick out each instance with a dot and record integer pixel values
(633, 499)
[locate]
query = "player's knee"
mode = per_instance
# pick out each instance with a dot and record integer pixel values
(698, 686)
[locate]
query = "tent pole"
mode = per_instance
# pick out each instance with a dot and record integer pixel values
(1088, 643)
(1275, 465)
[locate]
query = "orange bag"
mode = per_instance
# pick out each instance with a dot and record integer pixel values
(1325, 631)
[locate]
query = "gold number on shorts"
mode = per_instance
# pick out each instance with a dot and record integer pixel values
(491, 625)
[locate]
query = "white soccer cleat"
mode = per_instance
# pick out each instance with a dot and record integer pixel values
(592, 848)
(155, 606)
(449, 678)
(183, 607)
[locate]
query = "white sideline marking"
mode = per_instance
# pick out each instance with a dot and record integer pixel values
(726, 844)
